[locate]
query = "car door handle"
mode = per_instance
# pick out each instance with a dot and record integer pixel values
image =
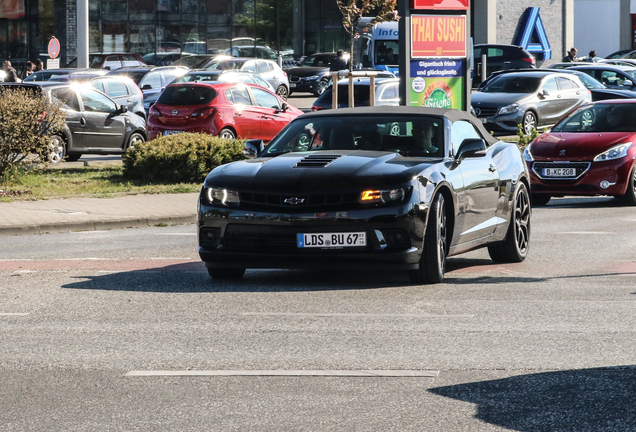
(238, 115)
(83, 121)
(129, 100)
(264, 117)
(492, 168)
(559, 96)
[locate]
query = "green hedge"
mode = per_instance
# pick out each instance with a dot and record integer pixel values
(180, 158)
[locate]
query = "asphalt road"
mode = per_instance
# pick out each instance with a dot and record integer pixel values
(124, 330)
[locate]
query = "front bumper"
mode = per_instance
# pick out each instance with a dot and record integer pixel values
(503, 123)
(303, 86)
(256, 239)
(615, 172)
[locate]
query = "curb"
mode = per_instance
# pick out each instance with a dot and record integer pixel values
(96, 225)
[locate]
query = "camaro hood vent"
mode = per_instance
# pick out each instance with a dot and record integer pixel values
(316, 161)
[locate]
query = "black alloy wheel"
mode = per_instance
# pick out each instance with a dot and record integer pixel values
(529, 122)
(515, 246)
(282, 92)
(226, 273)
(433, 260)
(630, 193)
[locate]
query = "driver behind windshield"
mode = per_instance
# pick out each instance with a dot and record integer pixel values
(424, 134)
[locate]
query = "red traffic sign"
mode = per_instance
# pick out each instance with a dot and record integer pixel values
(54, 47)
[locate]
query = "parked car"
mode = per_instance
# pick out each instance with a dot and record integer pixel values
(590, 152)
(258, 51)
(45, 75)
(235, 76)
(268, 69)
(620, 54)
(500, 57)
(534, 99)
(80, 76)
(151, 79)
(387, 93)
(161, 58)
(229, 110)
(618, 77)
(122, 90)
(311, 74)
(336, 190)
(598, 90)
(196, 61)
(95, 123)
(111, 61)
(567, 65)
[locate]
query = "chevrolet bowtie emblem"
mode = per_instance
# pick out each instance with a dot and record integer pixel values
(562, 153)
(294, 201)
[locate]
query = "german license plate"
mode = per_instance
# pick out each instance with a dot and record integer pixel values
(559, 172)
(292, 85)
(171, 132)
(332, 240)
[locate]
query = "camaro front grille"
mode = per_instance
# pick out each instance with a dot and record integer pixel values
(300, 201)
(580, 168)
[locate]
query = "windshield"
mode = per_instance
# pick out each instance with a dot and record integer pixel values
(226, 65)
(191, 61)
(386, 52)
(512, 83)
(317, 60)
(197, 77)
(588, 81)
(135, 76)
(407, 135)
(600, 118)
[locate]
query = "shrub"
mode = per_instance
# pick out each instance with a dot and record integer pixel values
(180, 158)
(28, 119)
(524, 139)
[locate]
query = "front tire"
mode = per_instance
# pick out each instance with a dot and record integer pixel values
(433, 260)
(226, 273)
(282, 92)
(58, 149)
(630, 194)
(227, 133)
(73, 157)
(529, 122)
(515, 246)
(322, 86)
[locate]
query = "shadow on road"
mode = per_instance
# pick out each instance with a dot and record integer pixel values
(583, 202)
(192, 277)
(602, 399)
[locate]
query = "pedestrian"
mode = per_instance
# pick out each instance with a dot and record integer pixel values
(28, 70)
(39, 65)
(571, 57)
(10, 73)
(339, 63)
(591, 57)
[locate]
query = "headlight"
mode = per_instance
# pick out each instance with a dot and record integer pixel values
(616, 152)
(311, 78)
(221, 196)
(527, 155)
(508, 109)
(382, 196)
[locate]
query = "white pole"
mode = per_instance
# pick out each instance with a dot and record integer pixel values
(82, 33)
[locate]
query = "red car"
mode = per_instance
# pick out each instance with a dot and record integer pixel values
(230, 110)
(592, 151)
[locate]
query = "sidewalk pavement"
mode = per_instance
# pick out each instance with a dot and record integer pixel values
(86, 214)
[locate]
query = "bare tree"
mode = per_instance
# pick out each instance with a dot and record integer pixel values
(353, 10)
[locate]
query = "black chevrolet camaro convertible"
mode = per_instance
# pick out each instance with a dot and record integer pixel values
(398, 188)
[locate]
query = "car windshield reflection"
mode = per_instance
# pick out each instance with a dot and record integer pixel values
(512, 84)
(600, 118)
(409, 136)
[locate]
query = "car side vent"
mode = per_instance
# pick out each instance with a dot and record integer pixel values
(316, 161)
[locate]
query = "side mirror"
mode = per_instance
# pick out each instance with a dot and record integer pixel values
(471, 147)
(284, 107)
(253, 148)
(122, 109)
(545, 93)
(627, 83)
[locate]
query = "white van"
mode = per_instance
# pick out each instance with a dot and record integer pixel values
(377, 46)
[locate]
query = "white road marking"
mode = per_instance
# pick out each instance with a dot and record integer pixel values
(355, 315)
(14, 314)
(326, 373)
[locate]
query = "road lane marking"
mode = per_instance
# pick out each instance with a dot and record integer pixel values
(323, 373)
(13, 314)
(355, 315)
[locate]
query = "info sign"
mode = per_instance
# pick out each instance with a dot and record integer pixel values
(438, 83)
(438, 36)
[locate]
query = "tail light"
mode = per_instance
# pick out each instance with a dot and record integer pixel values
(203, 113)
(285, 74)
(154, 111)
(528, 59)
(315, 108)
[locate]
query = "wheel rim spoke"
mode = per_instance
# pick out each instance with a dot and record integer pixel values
(522, 219)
